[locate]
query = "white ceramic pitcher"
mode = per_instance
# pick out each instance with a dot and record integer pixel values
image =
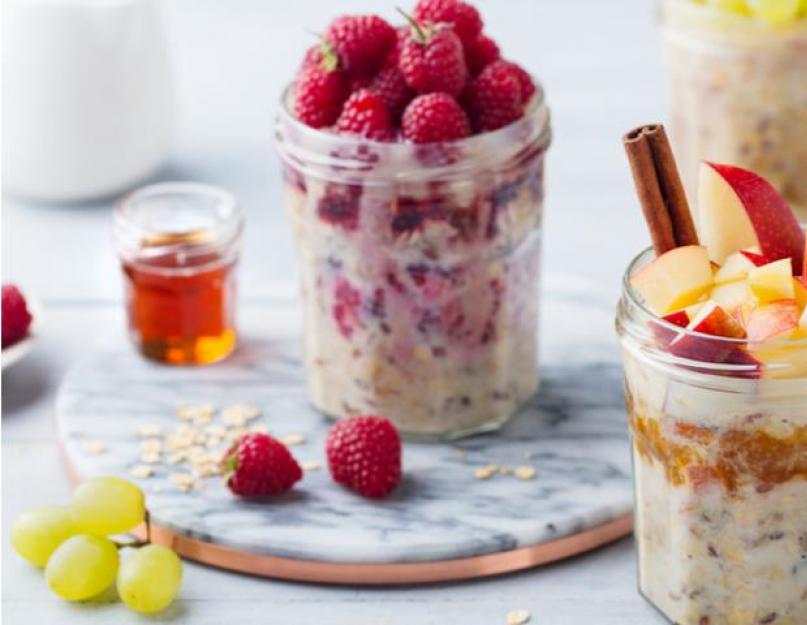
(87, 98)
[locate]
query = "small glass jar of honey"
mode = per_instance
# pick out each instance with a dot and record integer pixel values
(179, 244)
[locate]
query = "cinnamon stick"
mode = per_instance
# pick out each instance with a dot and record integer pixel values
(671, 187)
(659, 188)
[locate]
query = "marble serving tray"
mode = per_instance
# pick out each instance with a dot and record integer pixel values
(443, 522)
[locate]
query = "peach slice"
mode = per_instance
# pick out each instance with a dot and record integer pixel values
(738, 209)
(675, 280)
(773, 281)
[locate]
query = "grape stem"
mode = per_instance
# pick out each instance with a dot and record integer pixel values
(135, 544)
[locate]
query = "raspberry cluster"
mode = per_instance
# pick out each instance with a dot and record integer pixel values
(437, 78)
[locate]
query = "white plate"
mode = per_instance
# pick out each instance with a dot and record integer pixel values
(19, 350)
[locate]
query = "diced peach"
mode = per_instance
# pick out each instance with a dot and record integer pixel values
(773, 281)
(675, 280)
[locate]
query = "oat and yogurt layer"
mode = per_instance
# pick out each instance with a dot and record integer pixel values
(714, 340)
(420, 297)
(737, 88)
(413, 174)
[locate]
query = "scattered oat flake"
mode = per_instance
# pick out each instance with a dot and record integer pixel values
(184, 481)
(239, 414)
(151, 445)
(518, 617)
(259, 428)
(293, 439)
(150, 457)
(525, 472)
(93, 447)
(199, 411)
(141, 470)
(149, 431)
(486, 472)
(311, 466)
(177, 457)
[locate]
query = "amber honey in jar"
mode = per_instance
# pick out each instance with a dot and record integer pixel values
(178, 244)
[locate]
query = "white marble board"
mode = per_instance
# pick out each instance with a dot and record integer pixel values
(573, 432)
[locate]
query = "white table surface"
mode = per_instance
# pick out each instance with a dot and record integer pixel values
(600, 63)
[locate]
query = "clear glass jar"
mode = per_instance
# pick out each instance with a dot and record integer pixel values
(720, 469)
(419, 267)
(178, 244)
(737, 89)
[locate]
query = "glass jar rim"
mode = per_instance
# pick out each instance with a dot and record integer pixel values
(218, 227)
(635, 301)
(347, 154)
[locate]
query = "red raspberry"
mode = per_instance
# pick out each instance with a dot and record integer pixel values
(480, 53)
(434, 117)
(524, 79)
(362, 42)
(462, 16)
(365, 114)
(319, 95)
(16, 318)
(390, 85)
(494, 97)
(432, 60)
(364, 454)
(401, 35)
(257, 465)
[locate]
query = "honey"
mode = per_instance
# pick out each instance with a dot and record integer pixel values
(178, 244)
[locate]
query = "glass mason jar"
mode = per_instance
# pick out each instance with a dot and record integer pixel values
(720, 470)
(737, 89)
(178, 244)
(419, 269)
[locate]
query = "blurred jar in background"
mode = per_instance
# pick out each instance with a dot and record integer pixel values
(87, 99)
(178, 243)
(737, 83)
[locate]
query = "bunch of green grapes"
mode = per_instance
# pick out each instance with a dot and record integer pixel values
(72, 544)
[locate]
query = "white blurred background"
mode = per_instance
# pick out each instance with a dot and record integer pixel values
(600, 63)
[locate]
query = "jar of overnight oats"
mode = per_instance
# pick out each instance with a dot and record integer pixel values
(720, 469)
(420, 269)
(737, 88)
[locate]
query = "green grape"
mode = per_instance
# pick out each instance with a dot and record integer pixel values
(36, 533)
(82, 566)
(775, 11)
(149, 578)
(108, 505)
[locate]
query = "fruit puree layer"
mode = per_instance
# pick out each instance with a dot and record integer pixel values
(721, 496)
(737, 93)
(420, 295)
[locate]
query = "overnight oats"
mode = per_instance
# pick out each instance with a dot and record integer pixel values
(417, 221)
(737, 88)
(714, 341)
